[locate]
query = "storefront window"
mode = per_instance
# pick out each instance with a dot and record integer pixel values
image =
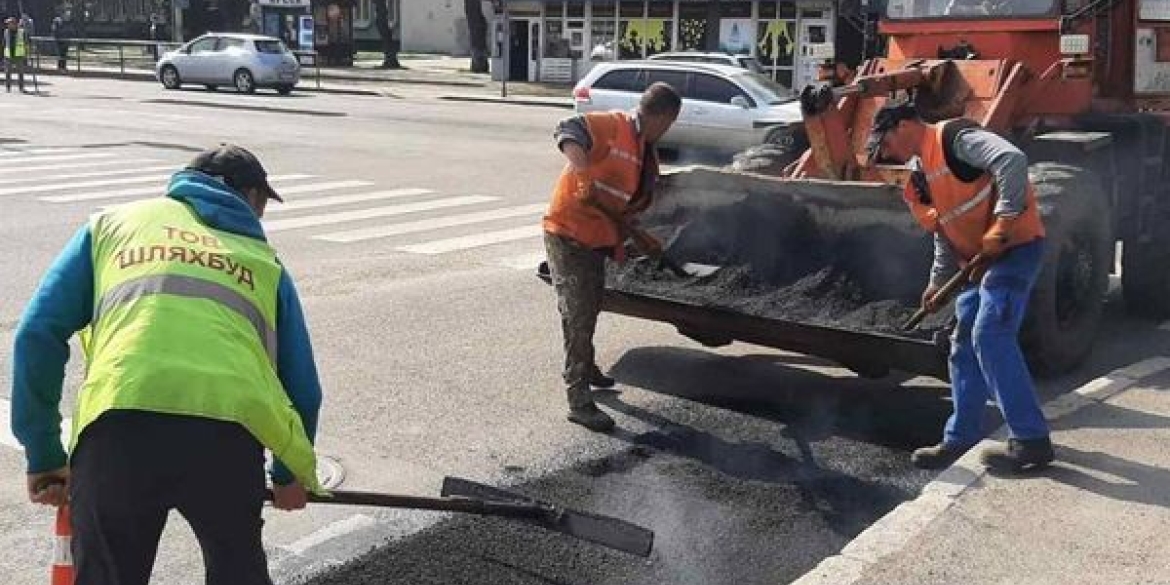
(776, 40)
(645, 29)
(602, 32)
(692, 27)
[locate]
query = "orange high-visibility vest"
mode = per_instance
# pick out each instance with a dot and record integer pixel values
(613, 177)
(962, 208)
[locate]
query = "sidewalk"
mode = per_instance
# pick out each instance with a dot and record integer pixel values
(449, 75)
(1101, 514)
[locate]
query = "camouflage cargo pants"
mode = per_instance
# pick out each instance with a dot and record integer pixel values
(578, 275)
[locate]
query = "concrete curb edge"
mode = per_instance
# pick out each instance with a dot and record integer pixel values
(566, 105)
(307, 84)
(894, 530)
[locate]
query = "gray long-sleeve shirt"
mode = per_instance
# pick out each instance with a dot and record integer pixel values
(1008, 166)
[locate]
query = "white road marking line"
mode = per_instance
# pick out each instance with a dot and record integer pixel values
(397, 229)
(344, 200)
(87, 174)
(75, 165)
(329, 532)
(344, 216)
(1165, 326)
(29, 189)
(330, 186)
(54, 158)
(17, 152)
(141, 192)
(473, 241)
(7, 439)
(524, 261)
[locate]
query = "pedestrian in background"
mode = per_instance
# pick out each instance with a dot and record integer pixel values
(611, 171)
(15, 51)
(197, 359)
(57, 28)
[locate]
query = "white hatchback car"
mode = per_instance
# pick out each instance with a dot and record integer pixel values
(725, 109)
(243, 61)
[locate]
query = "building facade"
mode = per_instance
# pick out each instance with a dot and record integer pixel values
(558, 41)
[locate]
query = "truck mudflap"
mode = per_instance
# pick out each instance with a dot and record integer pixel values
(870, 355)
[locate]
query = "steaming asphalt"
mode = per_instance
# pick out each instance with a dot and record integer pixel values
(754, 488)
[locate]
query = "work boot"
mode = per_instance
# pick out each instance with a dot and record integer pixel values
(1018, 455)
(938, 456)
(599, 380)
(592, 418)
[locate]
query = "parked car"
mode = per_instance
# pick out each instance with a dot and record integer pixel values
(243, 61)
(725, 109)
(742, 61)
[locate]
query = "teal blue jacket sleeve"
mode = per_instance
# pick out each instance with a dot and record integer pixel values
(295, 365)
(61, 306)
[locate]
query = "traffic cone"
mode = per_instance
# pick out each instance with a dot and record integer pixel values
(62, 571)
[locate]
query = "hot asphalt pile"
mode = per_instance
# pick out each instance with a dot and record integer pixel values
(724, 511)
(787, 261)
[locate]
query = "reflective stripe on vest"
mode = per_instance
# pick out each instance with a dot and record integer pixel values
(967, 206)
(625, 197)
(190, 287)
(616, 152)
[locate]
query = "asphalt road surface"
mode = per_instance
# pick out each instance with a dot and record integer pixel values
(412, 229)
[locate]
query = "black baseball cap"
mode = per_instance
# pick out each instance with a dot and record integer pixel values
(886, 119)
(239, 168)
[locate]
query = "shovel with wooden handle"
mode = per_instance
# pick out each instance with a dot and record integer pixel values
(468, 497)
(651, 247)
(945, 293)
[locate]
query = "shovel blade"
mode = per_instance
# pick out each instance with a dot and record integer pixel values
(603, 530)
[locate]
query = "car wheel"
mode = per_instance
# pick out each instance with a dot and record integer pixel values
(211, 87)
(284, 89)
(244, 81)
(170, 77)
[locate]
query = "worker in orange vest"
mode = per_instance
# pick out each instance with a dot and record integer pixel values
(611, 171)
(973, 194)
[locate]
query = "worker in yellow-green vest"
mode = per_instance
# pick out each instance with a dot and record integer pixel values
(14, 49)
(197, 360)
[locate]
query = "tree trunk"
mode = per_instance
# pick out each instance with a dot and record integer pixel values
(477, 27)
(390, 43)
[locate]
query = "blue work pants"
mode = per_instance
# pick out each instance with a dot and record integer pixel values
(986, 359)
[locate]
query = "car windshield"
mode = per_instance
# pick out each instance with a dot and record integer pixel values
(935, 9)
(273, 47)
(762, 87)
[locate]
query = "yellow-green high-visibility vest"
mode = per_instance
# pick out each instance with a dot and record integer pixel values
(19, 43)
(184, 323)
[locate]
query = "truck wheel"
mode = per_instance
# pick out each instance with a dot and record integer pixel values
(1145, 278)
(782, 146)
(1065, 310)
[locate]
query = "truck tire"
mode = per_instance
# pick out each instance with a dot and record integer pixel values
(1064, 313)
(1145, 278)
(782, 146)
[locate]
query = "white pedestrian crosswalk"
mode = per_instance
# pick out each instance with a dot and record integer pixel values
(333, 211)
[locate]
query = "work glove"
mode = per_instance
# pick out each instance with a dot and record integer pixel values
(996, 239)
(929, 304)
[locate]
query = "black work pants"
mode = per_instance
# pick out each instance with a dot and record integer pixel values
(131, 468)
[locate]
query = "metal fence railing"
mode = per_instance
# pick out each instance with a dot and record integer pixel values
(70, 54)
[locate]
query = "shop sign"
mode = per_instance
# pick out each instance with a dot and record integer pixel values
(290, 3)
(736, 35)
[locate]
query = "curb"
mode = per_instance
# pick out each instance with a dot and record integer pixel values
(564, 105)
(894, 530)
(306, 84)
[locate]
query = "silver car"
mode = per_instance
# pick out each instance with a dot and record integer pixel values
(725, 109)
(243, 61)
(742, 61)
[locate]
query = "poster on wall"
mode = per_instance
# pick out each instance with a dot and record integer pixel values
(736, 35)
